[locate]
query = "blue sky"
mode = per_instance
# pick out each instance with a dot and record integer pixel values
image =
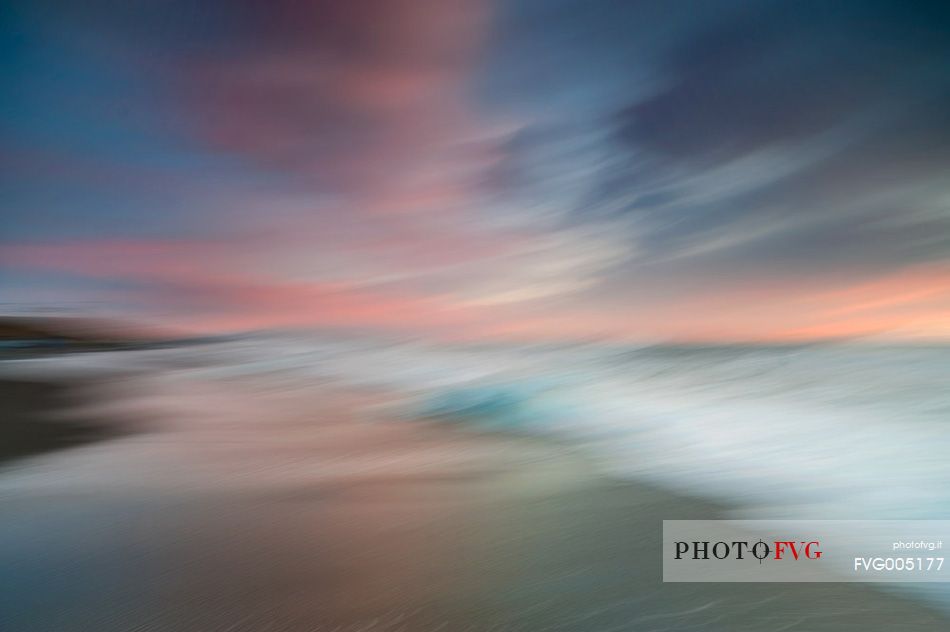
(550, 169)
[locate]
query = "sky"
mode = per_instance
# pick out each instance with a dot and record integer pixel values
(534, 169)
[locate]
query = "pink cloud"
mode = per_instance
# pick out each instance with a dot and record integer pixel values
(201, 286)
(356, 95)
(187, 279)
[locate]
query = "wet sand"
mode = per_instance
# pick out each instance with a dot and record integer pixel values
(29, 421)
(338, 517)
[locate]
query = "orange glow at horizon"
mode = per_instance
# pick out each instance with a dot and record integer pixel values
(913, 303)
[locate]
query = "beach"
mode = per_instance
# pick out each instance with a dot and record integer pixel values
(30, 424)
(253, 505)
(475, 316)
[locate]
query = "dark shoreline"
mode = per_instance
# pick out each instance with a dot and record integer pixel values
(32, 423)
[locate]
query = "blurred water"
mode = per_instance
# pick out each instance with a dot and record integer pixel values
(818, 431)
(810, 432)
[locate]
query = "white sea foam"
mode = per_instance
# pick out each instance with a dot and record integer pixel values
(807, 432)
(820, 431)
(830, 431)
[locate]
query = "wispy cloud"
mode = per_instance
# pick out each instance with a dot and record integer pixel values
(623, 169)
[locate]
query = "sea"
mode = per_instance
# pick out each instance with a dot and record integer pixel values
(811, 431)
(819, 431)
